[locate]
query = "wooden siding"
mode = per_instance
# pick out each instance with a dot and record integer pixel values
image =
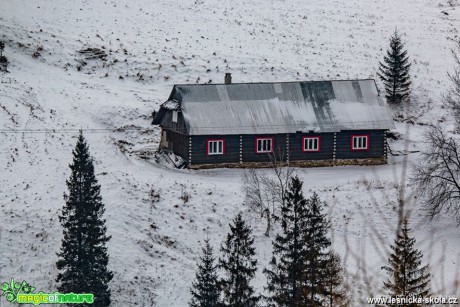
(326, 150)
(231, 151)
(278, 144)
(177, 143)
(376, 144)
(168, 124)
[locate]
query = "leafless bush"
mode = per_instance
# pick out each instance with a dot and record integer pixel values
(154, 196)
(452, 98)
(93, 53)
(265, 191)
(185, 196)
(438, 175)
(37, 52)
(260, 195)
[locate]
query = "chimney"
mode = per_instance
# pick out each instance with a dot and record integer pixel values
(228, 78)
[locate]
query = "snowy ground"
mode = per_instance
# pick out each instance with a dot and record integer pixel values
(151, 45)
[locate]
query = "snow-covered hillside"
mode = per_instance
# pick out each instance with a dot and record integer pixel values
(141, 48)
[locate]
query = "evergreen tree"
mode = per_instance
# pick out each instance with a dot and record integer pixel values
(317, 253)
(300, 263)
(394, 72)
(407, 277)
(2, 47)
(336, 287)
(205, 290)
(83, 257)
(239, 265)
(286, 277)
(3, 59)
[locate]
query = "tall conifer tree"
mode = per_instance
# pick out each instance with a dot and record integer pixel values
(317, 253)
(239, 266)
(336, 286)
(299, 272)
(407, 276)
(394, 71)
(205, 290)
(3, 59)
(83, 257)
(2, 47)
(286, 276)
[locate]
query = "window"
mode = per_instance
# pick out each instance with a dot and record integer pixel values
(360, 142)
(264, 145)
(310, 143)
(174, 116)
(216, 147)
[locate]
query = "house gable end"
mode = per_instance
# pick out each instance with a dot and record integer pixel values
(170, 115)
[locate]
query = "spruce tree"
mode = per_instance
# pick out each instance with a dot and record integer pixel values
(317, 252)
(239, 266)
(394, 72)
(336, 288)
(2, 47)
(3, 59)
(286, 276)
(205, 290)
(407, 276)
(83, 257)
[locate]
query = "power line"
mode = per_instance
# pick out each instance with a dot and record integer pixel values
(73, 130)
(349, 125)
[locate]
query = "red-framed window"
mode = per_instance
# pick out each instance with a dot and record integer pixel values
(215, 147)
(310, 144)
(264, 145)
(360, 142)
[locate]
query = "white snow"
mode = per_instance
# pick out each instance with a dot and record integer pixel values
(152, 45)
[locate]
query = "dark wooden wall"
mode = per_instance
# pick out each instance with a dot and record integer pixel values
(179, 143)
(199, 149)
(376, 144)
(249, 148)
(167, 123)
(296, 147)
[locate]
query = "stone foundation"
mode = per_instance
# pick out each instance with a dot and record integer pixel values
(306, 163)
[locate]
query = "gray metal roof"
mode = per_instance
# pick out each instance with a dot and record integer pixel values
(269, 108)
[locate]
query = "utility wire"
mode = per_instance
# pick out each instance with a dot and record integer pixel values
(71, 130)
(351, 125)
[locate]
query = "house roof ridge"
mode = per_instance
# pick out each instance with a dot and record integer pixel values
(274, 82)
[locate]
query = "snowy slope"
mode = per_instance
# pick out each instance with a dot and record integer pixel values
(151, 45)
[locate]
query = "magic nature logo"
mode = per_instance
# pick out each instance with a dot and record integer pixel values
(22, 293)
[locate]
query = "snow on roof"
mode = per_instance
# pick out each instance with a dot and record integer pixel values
(171, 105)
(289, 107)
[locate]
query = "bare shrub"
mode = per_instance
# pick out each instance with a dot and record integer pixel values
(265, 191)
(185, 196)
(452, 98)
(438, 175)
(154, 196)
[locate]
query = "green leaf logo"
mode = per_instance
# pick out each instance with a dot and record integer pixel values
(12, 289)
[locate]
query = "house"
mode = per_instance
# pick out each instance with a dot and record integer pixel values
(314, 123)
